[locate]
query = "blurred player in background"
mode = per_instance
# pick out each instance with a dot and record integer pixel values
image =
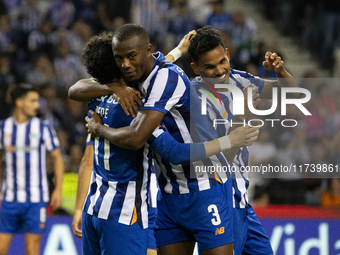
(24, 139)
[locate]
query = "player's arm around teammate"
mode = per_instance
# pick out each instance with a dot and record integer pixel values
(87, 89)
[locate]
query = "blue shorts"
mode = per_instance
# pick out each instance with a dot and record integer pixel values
(112, 238)
(151, 236)
(203, 216)
(250, 237)
(16, 218)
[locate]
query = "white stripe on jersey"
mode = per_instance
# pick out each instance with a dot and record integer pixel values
(21, 163)
(144, 191)
(44, 175)
(153, 191)
(98, 179)
(106, 155)
(179, 91)
(181, 125)
(96, 145)
(180, 179)
(107, 200)
(34, 165)
(128, 205)
(8, 129)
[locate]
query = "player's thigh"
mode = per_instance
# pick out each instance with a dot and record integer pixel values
(90, 236)
(220, 250)
(151, 252)
(167, 230)
(257, 240)
(32, 243)
(240, 229)
(120, 239)
(5, 242)
(10, 217)
(210, 219)
(180, 248)
(34, 220)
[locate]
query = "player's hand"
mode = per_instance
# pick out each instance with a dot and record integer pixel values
(127, 97)
(184, 44)
(273, 62)
(255, 102)
(92, 122)
(56, 199)
(76, 224)
(243, 136)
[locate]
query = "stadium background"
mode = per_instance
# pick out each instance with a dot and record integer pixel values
(41, 42)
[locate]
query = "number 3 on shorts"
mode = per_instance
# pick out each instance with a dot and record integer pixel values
(213, 208)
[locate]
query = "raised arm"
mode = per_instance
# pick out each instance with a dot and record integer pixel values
(273, 62)
(181, 48)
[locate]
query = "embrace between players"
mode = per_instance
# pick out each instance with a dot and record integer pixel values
(169, 132)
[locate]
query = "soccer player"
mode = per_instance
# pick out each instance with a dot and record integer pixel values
(108, 109)
(211, 63)
(24, 139)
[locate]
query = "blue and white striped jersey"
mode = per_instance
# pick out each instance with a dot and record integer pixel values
(223, 109)
(167, 89)
(24, 146)
(120, 179)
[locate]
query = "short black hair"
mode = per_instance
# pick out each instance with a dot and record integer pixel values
(21, 91)
(206, 39)
(98, 58)
(127, 31)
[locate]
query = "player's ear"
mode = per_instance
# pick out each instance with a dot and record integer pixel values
(195, 68)
(149, 50)
(227, 52)
(19, 102)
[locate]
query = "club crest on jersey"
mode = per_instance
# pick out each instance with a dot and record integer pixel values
(35, 134)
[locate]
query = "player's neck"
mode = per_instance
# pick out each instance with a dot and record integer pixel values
(151, 62)
(20, 117)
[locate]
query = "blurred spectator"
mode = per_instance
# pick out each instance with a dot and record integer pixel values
(29, 16)
(61, 13)
(86, 10)
(219, 19)
(68, 67)
(42, 72)
(200, 10)
(150, 15)
(7, 80)
(330, 27)
(263, 151)
(182, 23)
(81, 33)
(261, 196)
(243, 33)
(7, 43)
(110, 10)
(41, 40)
(331, 198)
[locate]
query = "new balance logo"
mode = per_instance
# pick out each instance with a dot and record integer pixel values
(219, 231)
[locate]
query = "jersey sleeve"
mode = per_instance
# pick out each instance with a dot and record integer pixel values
(166, 90)
(88, 140)
(50, 138)
(173, 151)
